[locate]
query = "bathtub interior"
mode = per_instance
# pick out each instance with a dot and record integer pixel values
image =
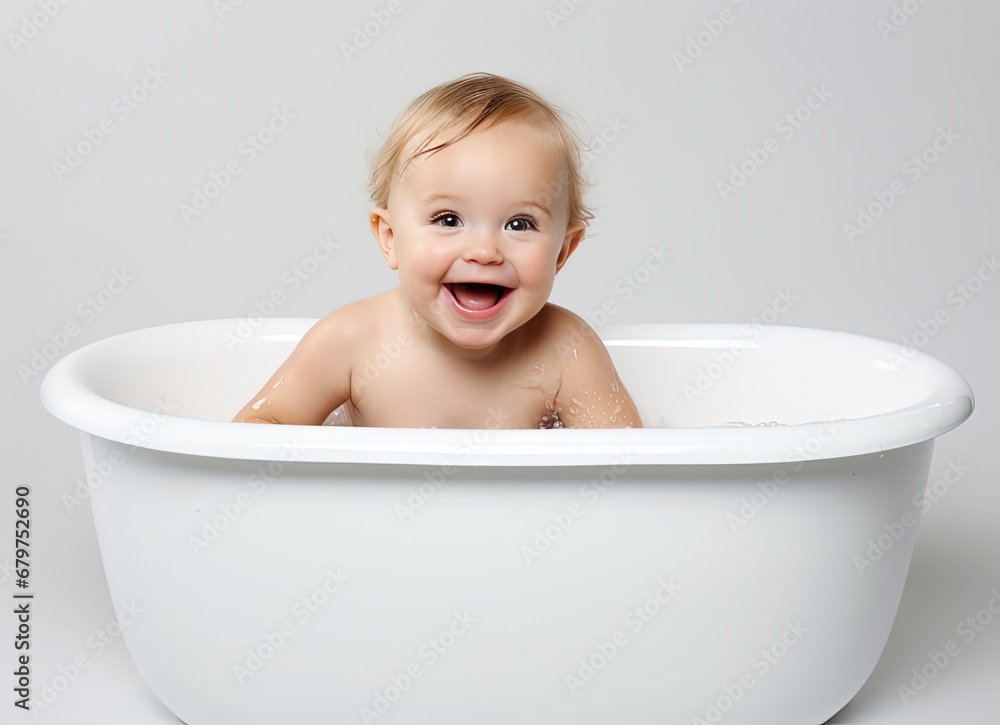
(689, 376)
(700, 382)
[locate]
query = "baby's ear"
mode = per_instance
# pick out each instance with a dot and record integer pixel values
(574, 235)
(382, 230)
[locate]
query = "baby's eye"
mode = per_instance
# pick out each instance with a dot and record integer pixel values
(446, 219)
(521, 224)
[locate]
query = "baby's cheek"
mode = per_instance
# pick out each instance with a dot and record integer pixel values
(536, 265)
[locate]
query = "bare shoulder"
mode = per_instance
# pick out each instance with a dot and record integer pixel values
(561, 330)
(590, 394)
(316, 377)
(353, 323)
(333, 346)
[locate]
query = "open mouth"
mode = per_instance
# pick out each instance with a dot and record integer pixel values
(477, 295)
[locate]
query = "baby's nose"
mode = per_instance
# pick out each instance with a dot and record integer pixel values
(483, 247)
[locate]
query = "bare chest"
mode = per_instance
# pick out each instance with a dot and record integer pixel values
(419, 392)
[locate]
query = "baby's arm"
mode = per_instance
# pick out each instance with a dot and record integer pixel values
(591, 395)
(312, 382)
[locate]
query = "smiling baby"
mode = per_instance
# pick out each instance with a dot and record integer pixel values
(478, 204)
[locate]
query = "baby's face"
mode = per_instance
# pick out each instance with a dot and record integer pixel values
(478, 231)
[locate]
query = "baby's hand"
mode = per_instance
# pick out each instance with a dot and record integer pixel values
(590, 395)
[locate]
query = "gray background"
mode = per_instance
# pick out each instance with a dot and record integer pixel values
(62, 237)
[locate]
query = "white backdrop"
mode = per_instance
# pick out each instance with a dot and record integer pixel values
(840, 154)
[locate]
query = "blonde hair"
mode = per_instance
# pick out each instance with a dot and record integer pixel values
(477, 101)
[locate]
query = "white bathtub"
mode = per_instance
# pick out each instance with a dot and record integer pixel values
(697, 573)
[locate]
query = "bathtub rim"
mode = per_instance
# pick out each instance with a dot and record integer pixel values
(65, 394)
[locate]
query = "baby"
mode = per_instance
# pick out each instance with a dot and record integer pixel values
(478, 203)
